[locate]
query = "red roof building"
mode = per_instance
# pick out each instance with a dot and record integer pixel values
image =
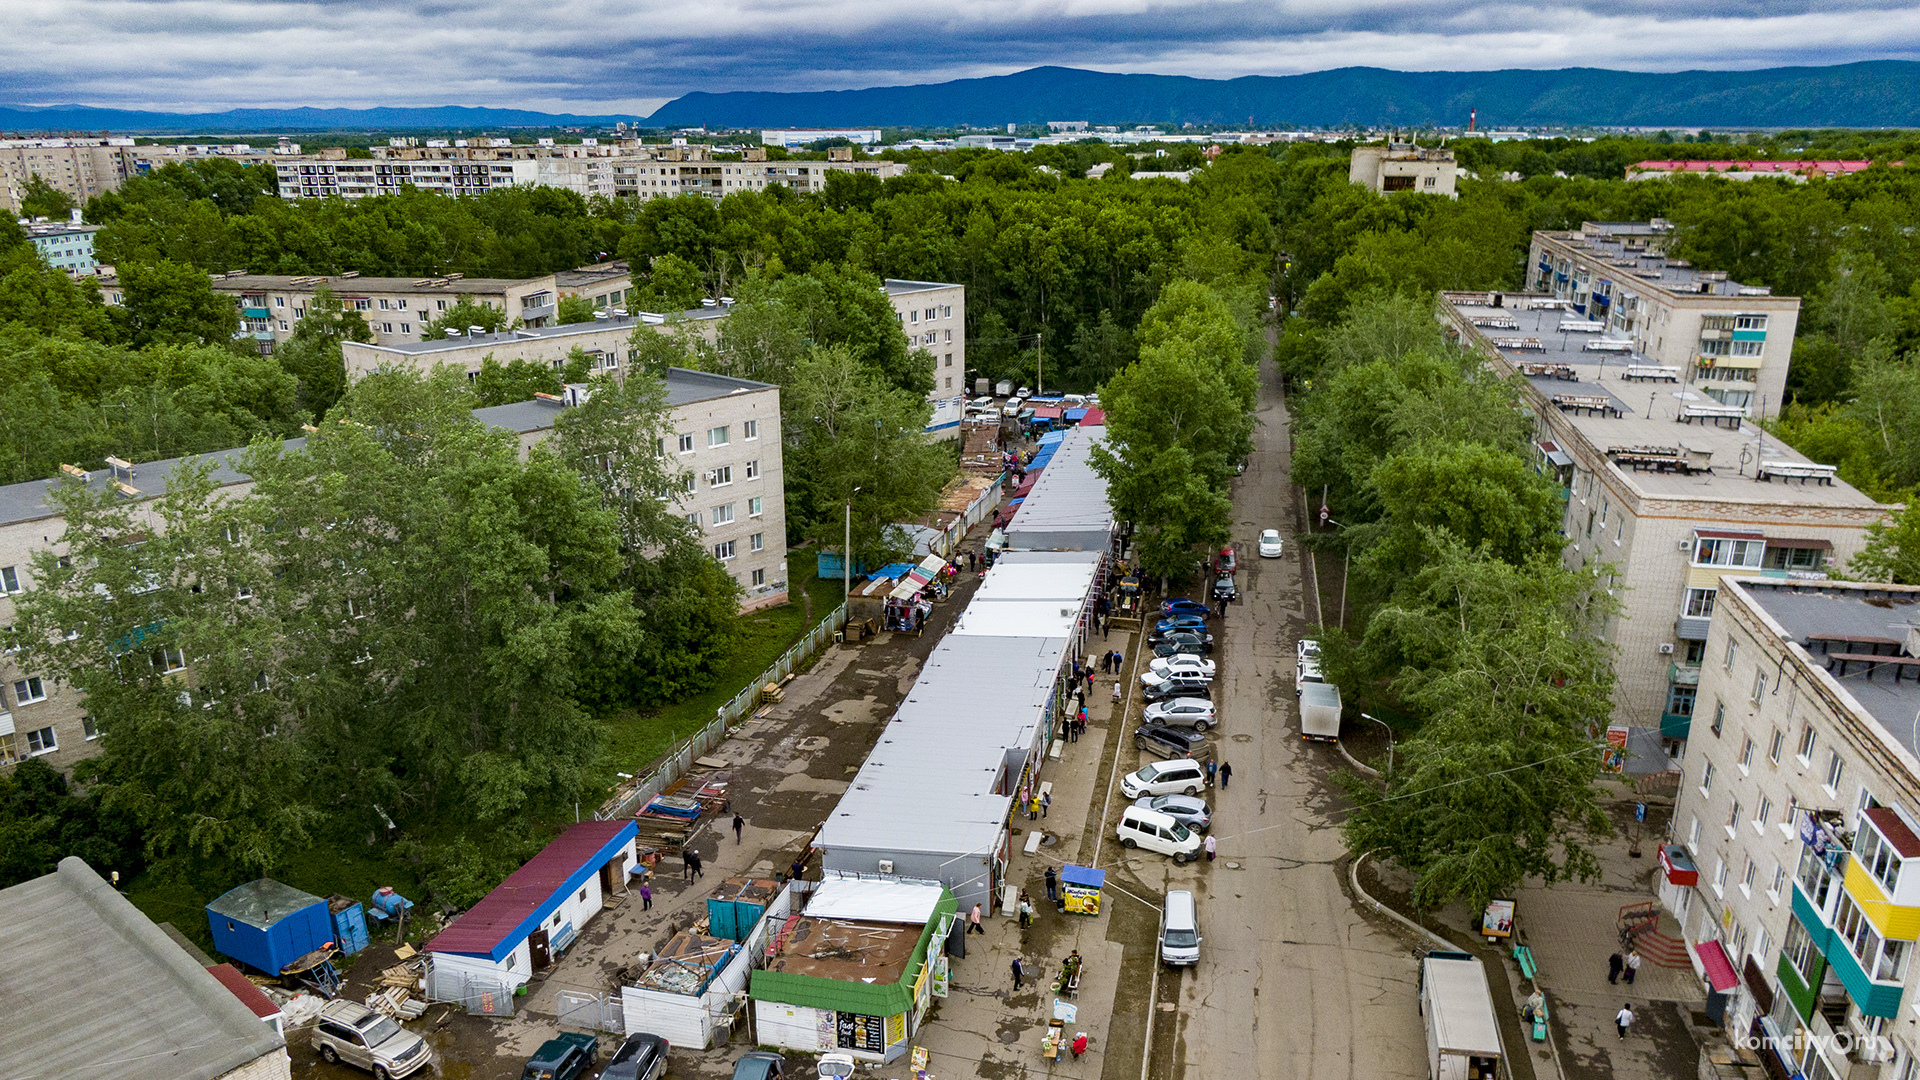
(250, 995)
(1746, 170)
(536, 894)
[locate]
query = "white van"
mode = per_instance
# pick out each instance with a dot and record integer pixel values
(1179, 931)
(1150, 829)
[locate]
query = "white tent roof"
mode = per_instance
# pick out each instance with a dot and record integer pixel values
(870, 900)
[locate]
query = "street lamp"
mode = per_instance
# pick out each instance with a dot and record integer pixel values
(846, 552)
(1383, 724)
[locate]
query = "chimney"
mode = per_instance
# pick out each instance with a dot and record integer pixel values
(1473, 117)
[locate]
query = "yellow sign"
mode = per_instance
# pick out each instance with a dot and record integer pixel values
(896, 1028)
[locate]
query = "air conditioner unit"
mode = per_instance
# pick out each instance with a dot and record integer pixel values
(886, 866)
(1683, 543)
(1666, 648)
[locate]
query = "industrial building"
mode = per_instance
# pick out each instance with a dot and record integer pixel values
(1398, 167)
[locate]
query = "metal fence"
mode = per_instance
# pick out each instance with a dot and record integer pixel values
(480, 995)
(591, 1012)
(675, 763)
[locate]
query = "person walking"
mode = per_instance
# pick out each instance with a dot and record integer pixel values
(1026, 910)
(1211, 846)
(688, 860)
(739, 824)
(1079, 1044)
(1615, 965)
(1053, 887)
(1018, 971)
(973, 922)
(1624, 1019)
(1046, 800)
(1633, 965)
(1226, 774)
(1213, 767)
(1089, 689)
(1116, 691)
(1080, 697)
(646, 898)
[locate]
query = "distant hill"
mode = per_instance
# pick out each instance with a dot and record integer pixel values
(445, 117)
(1876, 93)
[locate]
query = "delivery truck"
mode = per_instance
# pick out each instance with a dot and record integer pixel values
(1463, 1039)
(1320, 711)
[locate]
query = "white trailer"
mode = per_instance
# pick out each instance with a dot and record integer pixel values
(1320, 711)
(1463, 1039)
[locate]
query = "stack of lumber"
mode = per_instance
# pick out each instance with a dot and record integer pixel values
(398, 991)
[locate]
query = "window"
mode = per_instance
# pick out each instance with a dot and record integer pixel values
(759, 577)
(583, 896)
(723, 550)
(1733, 649)
(693, 519)
(1696, 651)
(386, 328)
(406, 328)
(723, 514)
(1749, 322)
(749, 429)
(1877, 857)
(913, 316)
(720, 477)
(1720, 877)
(9, 579)
(1699, 601)
(1693, 832)
(89, 727)
(753, 507)
(1746, 879)
(1762, 814)
(29, 690)
(1774, 745)
(1779, 881)
(686, 444)
(1783, 558)
(1798, 947)
(1680, 700)
(401, 304)
(385, 304)
(42, 741)
(1804, 751)
(169, 659)
(1759, 686)
(1733, 818)
(1836, 768)
(1719, 716)
(753, 469)
(718, 436)
(1746, 755)
(688, 484)
(1706, 779)
(757, 542)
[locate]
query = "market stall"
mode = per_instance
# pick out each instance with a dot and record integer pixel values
(1080, 889)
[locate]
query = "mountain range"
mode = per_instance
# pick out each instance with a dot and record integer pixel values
(1873, 93)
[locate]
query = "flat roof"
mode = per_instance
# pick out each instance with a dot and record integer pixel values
(94, 988)
(349, 286)
(1649, 414)
(262, 903)
(875, 899)
(683, 387)
(29, 501)
(536, 333)
(1031, 593)
(1610, 258)
(1067, 506)
(847, 950)
(1857, 611)
(503, 918)
(900, 287)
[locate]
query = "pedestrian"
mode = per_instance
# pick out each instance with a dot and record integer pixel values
(1089, 683)
(1046, 800)
(1105, 621)
(1615, 964)
(1119, 660)
(1033, 808)
(1018, 971)
(1633, 965)
(1213, 767)
(1026, 911)
(697, 872)
(646, 898)
(1053, 885)
(739, 823)
(687, 859)
(973, 922)
(1080, 698)
(1624, 1019)
(1079, 1044)
(799, 869)
(1116, 691)
(1226, 774)
(1076, 670)
(1210, 847)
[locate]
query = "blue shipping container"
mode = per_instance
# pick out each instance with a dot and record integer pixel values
(349, 923)
(266, 925)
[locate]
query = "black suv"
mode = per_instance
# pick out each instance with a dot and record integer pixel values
(1173, 741)
(1174, 688)
(569, 1057)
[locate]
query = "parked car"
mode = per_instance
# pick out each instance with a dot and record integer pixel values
(760, 1065)
(640, 1057)
(1180, 605)
(1196, 713)
(1168, 740)
(349, 1031)
(1183, 642)
(1307, 660)
(1140, 828)
(1226, 589)
(1189, 810)
(568, 1056)
(1173, 623)
(1183, 775)
(1192, 667)
(1229, 561)
(1306, 649)
(1270, 544)
(1176, 688)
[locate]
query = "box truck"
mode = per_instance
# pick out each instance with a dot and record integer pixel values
(1320, 711)
(1463, 1039)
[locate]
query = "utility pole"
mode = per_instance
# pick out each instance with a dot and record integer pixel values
(846, 552)
(1039, 372)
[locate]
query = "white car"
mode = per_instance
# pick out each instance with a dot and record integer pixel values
(1196, 713)
(1270, 544)
(1307, 657)
(1179, 664)
(1181, 776)
(1306, 649)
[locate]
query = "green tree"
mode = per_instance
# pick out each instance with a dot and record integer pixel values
(39, 199)
(1892, 553)
(673, 284)
(173, 303)
(312, 355)
(465, 314)
(42, 820)
(519, 380)
(36, 295)
(1433, 495)
(574, 309)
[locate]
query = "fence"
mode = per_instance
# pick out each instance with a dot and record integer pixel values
(977, 511)
(480, 994)
(591, 1012)
(678, 760)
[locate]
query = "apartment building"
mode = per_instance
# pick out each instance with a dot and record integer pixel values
(81, 168)
(1404, 167)
(1666, 488)
(803, 136)
(934, 316)
(1794, 864)
(65, 245)
(398, 309)
(1731, 342)
(728, 438)
(148, 157)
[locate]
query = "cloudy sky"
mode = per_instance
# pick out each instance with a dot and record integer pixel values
(605, 57)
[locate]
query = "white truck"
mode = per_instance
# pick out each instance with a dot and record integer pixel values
(1463, 1039)
(1320, 711)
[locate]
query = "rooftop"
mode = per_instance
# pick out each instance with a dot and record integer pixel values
(262, 902)
(1634, 253)
(1853, 618)
(29, 501)
(1533, 340)
(683, 387)
(495, 925)
(542, 333)
(1067, 506)
(897, 287)
(353, 286)
(847, 949)
(1828, 168)
(93, 988)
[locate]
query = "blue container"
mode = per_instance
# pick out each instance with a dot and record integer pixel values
(349, 923)
(266, 925)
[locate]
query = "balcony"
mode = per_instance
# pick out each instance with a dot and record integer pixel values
(1675, 725)
(1873, 998)
(1679, 674)
(1692, 627)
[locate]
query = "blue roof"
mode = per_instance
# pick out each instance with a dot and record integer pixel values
(1083, 875)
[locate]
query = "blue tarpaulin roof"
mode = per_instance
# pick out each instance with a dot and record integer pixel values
(891, 571)
(1085, 876)
(1053, 437)
(1041, 457)
(1076, 415)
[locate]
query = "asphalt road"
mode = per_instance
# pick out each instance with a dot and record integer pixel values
(1293, 981)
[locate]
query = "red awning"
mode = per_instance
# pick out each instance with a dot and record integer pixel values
(1719, 968)
(1094, 418)
(1729, 534)
(1048, 412)
(1799, 542)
